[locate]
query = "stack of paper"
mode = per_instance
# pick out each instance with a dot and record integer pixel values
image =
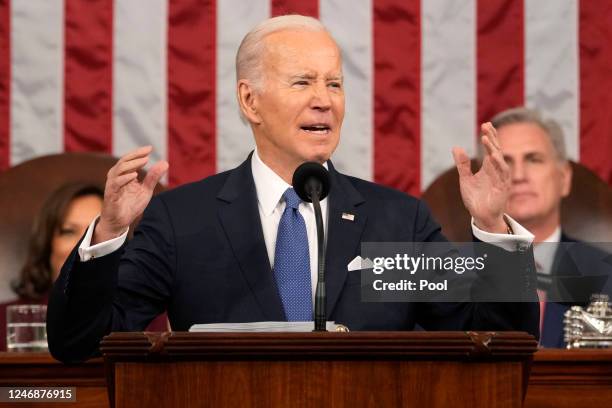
(275, 327)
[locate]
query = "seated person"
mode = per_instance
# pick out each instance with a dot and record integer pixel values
(241, 246)
(63, 219)
(534, 148)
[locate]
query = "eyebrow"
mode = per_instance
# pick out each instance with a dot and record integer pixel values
(527, 154)
(314, 76)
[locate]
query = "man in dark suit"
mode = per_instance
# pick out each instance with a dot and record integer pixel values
(241, 247)
(568, 271)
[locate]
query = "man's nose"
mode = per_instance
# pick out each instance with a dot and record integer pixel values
(321, 99)
(518, 172)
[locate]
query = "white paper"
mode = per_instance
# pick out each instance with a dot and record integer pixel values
(271, 327)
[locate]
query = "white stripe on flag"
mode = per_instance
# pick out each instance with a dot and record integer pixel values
(448, 97)
(551, 64)
(234, 20)
(37, 69)
(139, 76)
(351, 25)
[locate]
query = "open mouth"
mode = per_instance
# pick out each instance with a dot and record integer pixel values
(320, 129)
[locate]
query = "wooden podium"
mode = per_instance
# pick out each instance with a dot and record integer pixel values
(359, 369)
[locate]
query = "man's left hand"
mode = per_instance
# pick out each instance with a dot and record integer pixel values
(485, 193)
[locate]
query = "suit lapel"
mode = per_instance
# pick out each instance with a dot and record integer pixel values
(343, 234)
(239, 217)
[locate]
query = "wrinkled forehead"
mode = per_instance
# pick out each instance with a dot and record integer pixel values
(297, 47)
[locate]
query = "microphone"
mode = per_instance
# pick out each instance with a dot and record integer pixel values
(311, 183)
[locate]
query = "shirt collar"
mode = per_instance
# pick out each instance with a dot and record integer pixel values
(544, 252)
(269, 185)
(555, 236)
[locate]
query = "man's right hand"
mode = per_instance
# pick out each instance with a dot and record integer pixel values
(125, 198)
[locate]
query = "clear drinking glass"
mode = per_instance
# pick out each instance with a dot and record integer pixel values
(25, 328)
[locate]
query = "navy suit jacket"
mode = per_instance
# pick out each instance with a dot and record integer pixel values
(200, 254)
(577, 262)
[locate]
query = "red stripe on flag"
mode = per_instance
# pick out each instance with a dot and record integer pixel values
(397, 94)
(88, 73)
(596, 87)
(303, 7)
(5, 83)
(191, 90)
(500, 57)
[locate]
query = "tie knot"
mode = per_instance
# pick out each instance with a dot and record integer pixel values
(291, 198)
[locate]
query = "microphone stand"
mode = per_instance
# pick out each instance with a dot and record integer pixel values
(320, 317)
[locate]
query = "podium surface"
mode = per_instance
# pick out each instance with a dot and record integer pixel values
(358, 369)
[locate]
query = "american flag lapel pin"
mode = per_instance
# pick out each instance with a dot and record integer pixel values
(348, 216)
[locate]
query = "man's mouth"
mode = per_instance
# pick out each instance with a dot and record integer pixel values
(320, 129)
(522, 194)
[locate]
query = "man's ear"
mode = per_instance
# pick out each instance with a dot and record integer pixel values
(566, 178)
(247, 101)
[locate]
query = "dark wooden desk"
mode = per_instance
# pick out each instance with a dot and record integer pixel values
(559, 378)
(357, 369)
(40, 369)
(570, 379)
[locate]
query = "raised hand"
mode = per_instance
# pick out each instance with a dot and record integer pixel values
(485, 193)
(125, 198)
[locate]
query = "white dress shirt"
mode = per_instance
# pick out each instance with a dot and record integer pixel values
(545, 254)
(270, 188)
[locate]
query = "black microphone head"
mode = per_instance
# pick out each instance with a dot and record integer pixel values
(309, 178)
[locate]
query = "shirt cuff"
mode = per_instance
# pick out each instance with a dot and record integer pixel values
(509, 242)
(88, 251)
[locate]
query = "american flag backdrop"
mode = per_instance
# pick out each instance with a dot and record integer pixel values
(111, 75)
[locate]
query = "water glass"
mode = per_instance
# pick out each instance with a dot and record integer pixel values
(25, 328)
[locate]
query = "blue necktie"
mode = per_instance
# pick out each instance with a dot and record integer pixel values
(292, 261)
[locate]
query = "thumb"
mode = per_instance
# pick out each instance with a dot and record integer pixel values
(155, 174)
(462, 161)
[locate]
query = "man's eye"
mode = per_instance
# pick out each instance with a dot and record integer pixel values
(300, 83)
(535, 160)
(66, 231)
(335, 85)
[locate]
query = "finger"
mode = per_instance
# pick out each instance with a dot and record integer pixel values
(155, 174)
(462, 161)
(132, 165)
(494, 155)
(118, 182)
(136, 153)
(488, 145)
(489, 130)
(494, 136)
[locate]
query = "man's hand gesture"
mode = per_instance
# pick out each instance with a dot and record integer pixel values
(125, 198)
(485, 193)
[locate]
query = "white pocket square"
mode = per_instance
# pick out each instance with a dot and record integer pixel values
(359, 263)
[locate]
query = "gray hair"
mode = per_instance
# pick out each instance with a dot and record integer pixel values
(250, 53)
(526, 115)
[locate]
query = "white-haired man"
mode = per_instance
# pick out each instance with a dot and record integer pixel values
(534, 149)
(240, 246)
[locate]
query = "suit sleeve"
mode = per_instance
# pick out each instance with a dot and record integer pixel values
(503, 268)
(121, 291)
